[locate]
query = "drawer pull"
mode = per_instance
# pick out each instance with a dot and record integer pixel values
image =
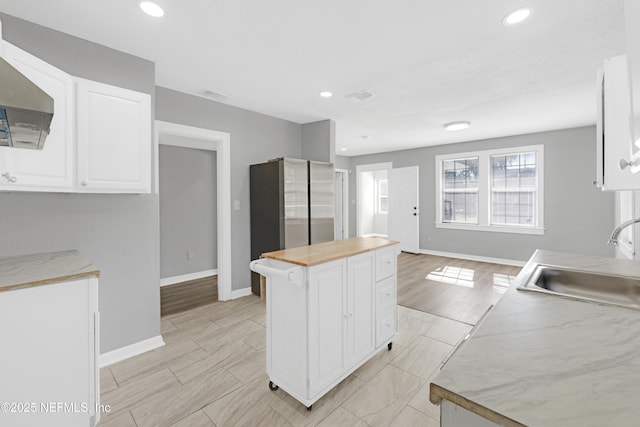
(388, 262)
(388, 294)
(9, 177)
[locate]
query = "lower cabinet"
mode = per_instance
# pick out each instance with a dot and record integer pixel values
(323, 322)
(49, 356)
(452, 415)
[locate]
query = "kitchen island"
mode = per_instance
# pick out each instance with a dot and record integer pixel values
(545, 360)
(50, 340)
(330, 308)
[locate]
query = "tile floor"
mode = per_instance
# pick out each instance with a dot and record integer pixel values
(211, 372)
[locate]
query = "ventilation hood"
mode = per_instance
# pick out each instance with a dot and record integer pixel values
(26, 110)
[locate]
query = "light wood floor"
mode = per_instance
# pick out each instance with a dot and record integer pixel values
(453, 288)
(188, 295)
(211, 372)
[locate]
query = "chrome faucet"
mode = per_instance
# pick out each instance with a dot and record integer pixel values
(613, 239)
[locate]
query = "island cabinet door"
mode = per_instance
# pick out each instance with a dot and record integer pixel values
(326, 302)
(360, 308)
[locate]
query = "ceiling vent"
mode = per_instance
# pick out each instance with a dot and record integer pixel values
(359, 96)
(214, 95)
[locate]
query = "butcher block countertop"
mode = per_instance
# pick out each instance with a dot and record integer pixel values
(544, 360)
(24, 271)
(328, 251)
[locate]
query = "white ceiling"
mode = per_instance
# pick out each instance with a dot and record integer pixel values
(427, 62)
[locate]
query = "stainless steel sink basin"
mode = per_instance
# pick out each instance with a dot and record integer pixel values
(620, 291)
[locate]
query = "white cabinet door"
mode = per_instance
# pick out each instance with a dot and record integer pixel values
(52, 168)
(452, 415)
(614, 137)
(360, 307)
(49, 354)
(326, 324)
(114, 139)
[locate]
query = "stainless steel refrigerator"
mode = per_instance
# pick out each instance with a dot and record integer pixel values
(292, 205)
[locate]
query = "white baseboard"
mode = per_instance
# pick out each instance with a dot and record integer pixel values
(239, 293)
(122, 353)
(168, 281)
(513, 262)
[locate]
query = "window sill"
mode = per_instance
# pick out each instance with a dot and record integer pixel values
(492, 228)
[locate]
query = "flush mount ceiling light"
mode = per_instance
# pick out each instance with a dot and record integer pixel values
(326, 94)
(457, 125)
(517, 16)
(151, 8)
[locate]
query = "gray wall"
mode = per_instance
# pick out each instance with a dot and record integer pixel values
(318, 141)
(188, 216)
(577, 216)
(342, 162)
(255, 138)
(118, 233)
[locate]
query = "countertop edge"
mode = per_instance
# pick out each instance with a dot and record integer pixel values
(51, 281)
(438, 393)
(34, 270)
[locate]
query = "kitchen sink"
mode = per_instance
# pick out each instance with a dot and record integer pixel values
(622, 291)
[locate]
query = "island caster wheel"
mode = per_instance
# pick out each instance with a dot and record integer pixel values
(272, 386)
(310, 407)
(390, 346)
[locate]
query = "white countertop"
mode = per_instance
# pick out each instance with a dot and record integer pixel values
(24, 271)
(543, 360)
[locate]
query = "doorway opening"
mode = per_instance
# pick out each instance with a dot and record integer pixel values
(188, 226)
(372, 195)
(177, 135)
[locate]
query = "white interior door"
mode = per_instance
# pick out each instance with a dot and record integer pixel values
(404, 209)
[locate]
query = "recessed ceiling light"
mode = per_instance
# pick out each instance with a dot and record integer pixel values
(151, 8)
(343, 149)
(457, 125)
(326, 94)
(516, 16)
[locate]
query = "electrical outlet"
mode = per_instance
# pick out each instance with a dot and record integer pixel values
(189, 254)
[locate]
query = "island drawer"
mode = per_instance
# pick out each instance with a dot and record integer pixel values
(385, 294)
(385, 263)
(385, 326)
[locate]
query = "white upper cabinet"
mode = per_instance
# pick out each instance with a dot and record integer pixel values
(632, 31)
(99, 141)
(114, 139)
(52, 168)
(613, 130)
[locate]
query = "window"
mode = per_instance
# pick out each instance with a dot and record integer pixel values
(460, 190)
(513, 189)
(493, 190)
